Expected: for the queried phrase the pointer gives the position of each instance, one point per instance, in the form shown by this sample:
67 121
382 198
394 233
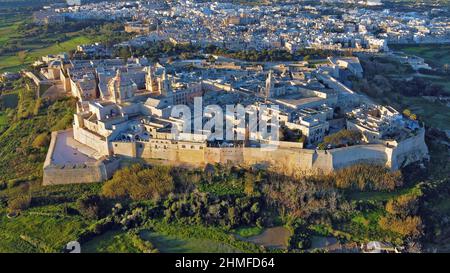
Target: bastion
69 161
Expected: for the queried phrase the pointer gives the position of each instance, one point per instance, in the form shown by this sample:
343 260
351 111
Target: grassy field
214 237
248 231
45 227
434 114
3 121
115 241
50 43
41 229
20 158
435 55
13 62
118 241
26 3
8 28
173 244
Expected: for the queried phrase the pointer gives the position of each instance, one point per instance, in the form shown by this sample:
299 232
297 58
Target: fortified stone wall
71 174
87 172
80 173
286 159
410 150
90 139
371 153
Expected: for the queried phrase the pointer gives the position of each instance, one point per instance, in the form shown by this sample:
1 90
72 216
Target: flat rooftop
296 100
69 151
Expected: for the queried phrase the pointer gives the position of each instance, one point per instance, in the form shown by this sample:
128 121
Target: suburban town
225 126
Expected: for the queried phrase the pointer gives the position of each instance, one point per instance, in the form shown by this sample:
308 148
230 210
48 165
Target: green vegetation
391 83
9 5
173 244
434 114
367 178
434 54
187 220
287 134
40 229
186 217
119 242
199 232
22 159
222 188
3 121
23 42
14 62
273 54
340 139
9 100
8 27
138 183
249 231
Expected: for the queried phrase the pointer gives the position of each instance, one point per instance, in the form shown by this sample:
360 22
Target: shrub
300 238
341 138
41 140
15 182
403 205
19 198
89 205
19 203
3 185
367 177
139 183
409 226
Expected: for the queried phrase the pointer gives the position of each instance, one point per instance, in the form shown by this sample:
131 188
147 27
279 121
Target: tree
410 226
341 138
367 177
403 205
37 106
407 112
249 184
139 183
19 203
41 140
89 206
124 53
20 199
232 216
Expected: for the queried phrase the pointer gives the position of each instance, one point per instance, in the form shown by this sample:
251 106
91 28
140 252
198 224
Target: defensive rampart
285 158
